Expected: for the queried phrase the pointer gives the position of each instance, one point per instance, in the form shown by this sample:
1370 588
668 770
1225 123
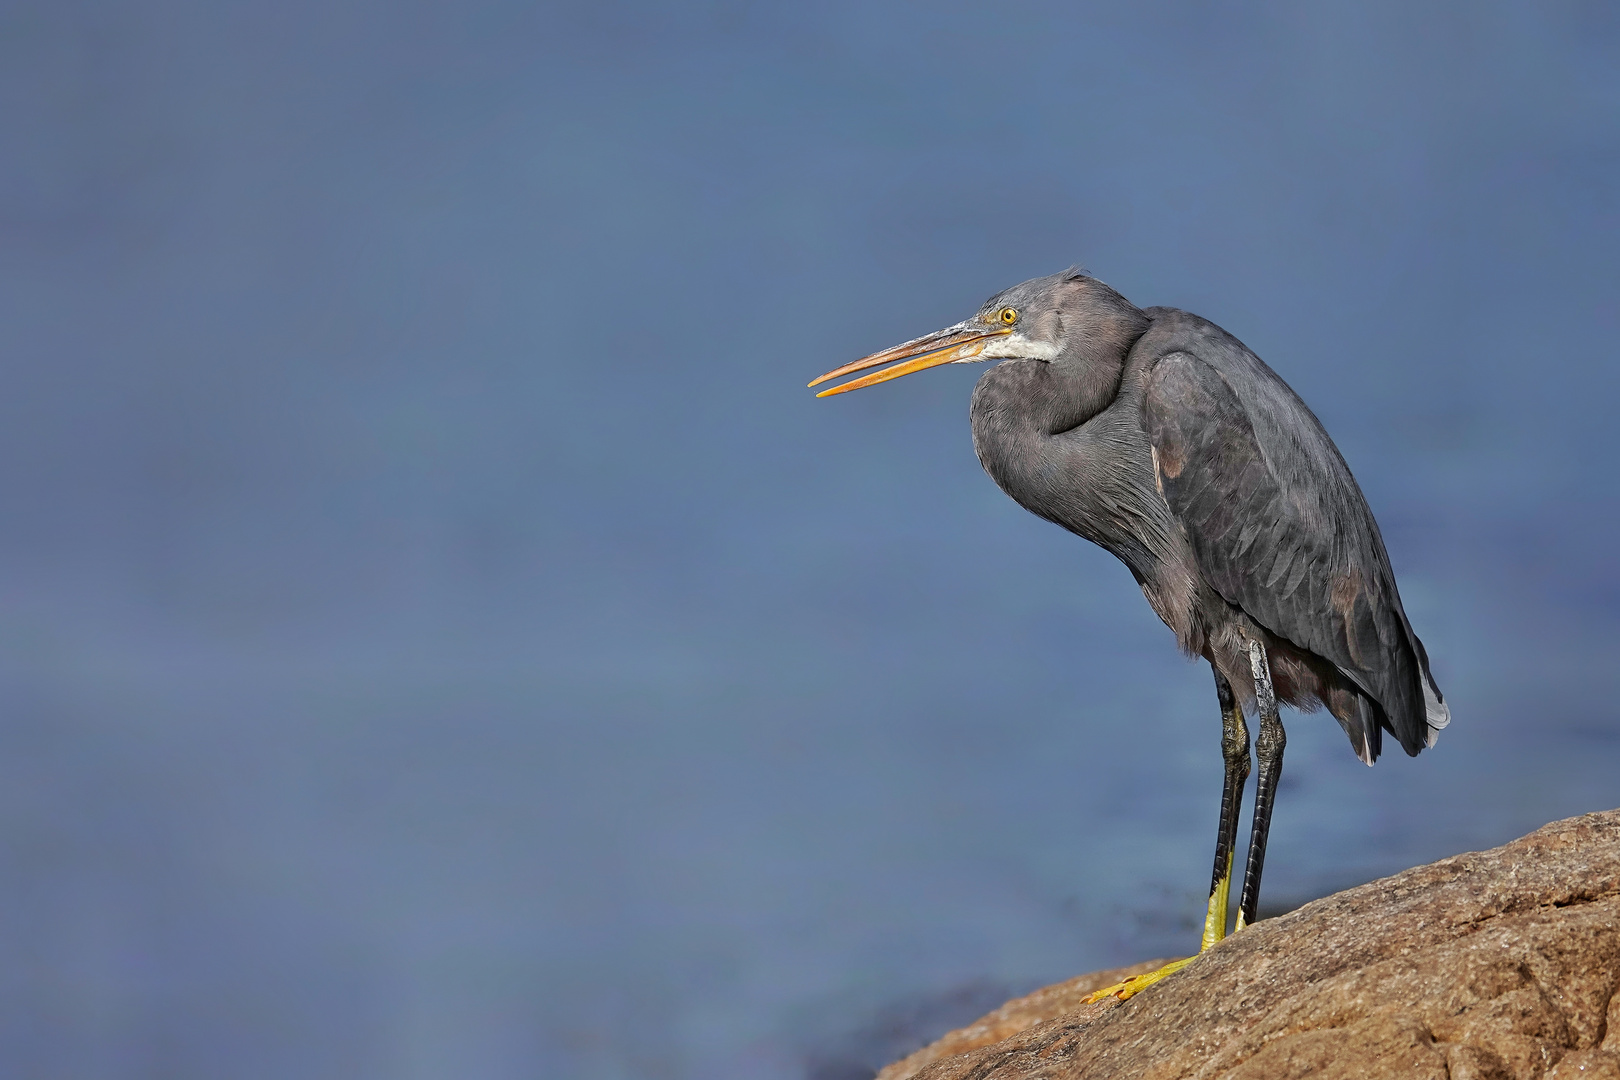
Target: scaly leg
1268 752
1235 749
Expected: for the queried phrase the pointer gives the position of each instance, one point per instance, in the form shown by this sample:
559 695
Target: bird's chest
1092 480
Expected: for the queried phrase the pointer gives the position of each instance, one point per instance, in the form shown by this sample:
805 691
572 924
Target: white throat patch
1014 346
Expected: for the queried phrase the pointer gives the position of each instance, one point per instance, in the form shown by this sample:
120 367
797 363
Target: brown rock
1589 1064
1487 966
1056 1000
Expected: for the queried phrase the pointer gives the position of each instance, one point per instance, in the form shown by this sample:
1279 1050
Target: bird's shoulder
1175 331
1238 438
1181 353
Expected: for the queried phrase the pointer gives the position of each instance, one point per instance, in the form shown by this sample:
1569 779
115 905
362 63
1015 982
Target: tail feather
1435 713
1370 730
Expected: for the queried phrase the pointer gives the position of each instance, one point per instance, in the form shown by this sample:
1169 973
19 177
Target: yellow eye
1008 316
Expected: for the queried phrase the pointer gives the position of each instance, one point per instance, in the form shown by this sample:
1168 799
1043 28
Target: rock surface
1487 966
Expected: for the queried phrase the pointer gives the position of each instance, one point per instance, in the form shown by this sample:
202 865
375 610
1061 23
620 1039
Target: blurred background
440 636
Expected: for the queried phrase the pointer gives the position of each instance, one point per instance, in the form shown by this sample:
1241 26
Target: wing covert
1278 525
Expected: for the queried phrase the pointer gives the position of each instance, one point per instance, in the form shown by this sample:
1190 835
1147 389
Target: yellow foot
1137 983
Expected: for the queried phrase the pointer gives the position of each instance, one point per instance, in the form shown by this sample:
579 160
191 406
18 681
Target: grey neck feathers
1046 434
1059 395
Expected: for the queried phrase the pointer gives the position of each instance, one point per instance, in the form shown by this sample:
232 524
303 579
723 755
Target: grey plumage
1159 436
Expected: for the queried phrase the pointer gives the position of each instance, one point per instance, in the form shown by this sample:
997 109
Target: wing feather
1277 523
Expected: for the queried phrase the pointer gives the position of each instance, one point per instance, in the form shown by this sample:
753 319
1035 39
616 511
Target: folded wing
1281 530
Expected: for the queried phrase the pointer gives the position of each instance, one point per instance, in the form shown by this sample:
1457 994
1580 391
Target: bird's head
1041 319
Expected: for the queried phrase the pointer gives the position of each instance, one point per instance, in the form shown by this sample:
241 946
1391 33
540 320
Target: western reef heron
1157 435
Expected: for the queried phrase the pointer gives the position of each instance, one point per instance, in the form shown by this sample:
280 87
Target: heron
1160 437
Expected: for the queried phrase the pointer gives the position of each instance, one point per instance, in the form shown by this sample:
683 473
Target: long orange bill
964 341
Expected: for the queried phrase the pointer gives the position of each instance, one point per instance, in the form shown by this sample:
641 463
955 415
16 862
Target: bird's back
1278 525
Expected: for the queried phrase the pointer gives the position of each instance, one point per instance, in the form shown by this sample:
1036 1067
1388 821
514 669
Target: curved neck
1049 436
1051 397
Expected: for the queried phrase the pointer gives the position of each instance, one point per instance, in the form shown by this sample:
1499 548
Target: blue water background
441 637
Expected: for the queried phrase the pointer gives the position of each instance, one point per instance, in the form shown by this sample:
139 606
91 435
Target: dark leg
1268 752
1235 749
